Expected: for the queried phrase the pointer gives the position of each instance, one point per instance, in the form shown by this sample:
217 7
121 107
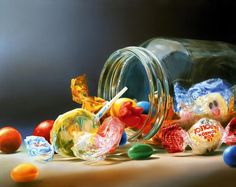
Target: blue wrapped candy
39 148
212 98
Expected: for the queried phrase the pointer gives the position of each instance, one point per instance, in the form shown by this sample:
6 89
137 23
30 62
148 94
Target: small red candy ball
10 139
43 129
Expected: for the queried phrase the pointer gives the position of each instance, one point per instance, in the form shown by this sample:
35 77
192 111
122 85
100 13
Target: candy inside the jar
132 115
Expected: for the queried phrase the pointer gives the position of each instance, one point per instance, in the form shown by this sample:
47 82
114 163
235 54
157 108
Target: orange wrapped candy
80 95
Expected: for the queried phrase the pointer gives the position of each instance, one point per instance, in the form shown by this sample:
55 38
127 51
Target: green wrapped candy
140 151
67 125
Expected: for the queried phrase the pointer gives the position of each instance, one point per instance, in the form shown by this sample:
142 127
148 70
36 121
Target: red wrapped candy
174 138
230 133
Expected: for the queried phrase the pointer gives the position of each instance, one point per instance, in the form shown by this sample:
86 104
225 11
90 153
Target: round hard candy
10 139
205 136
229 156
140 151
145 105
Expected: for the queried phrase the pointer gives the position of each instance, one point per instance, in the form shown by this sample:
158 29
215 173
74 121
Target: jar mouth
140 71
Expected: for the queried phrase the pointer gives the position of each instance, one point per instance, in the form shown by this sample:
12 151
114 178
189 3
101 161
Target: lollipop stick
106 107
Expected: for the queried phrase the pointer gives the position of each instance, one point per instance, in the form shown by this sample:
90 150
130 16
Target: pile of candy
99 127
94 130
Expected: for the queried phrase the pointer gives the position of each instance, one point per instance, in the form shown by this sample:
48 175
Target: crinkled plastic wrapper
212 98
95 146
206 135
80 95
67 126
39 148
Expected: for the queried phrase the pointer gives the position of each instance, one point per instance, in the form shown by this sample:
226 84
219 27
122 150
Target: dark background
44 43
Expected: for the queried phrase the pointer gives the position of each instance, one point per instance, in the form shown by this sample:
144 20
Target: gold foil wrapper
80 95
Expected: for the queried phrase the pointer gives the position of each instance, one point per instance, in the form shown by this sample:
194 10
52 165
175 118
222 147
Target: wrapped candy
80 95
230 133
68 125
39 148
91 146
78 132
174 139
212 98
204 136
132 115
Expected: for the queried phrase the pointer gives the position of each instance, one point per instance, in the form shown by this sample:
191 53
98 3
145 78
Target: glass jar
151 69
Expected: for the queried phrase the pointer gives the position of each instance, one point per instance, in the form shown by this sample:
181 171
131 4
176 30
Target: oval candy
123 139
229 156
25 172
140 151
145 105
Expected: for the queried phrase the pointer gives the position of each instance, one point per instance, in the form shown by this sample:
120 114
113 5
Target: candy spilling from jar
78 133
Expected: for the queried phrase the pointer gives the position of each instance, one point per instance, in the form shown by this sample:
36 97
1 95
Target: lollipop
78 126
68 125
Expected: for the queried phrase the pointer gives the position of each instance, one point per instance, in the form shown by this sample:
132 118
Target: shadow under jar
151 69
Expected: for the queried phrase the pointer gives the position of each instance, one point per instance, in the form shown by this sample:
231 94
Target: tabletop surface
162 169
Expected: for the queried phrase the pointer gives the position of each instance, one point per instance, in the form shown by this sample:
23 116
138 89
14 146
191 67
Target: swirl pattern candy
67 126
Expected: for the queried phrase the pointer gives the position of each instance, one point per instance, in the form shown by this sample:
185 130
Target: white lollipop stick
106 107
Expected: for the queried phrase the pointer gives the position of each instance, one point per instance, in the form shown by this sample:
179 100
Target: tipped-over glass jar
151 70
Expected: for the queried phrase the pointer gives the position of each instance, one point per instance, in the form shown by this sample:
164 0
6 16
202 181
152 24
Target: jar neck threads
143 74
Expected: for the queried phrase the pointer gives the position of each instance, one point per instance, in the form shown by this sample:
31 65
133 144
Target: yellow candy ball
25 172
114 111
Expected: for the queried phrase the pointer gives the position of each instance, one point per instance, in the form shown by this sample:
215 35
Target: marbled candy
140 151
67 126
39 148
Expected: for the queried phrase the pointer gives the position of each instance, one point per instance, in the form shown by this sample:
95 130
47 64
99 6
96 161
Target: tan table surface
162 169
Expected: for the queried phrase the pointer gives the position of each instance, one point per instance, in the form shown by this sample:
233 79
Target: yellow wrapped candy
114 111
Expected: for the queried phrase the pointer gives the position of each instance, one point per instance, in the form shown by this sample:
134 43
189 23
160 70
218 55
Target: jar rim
157 80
